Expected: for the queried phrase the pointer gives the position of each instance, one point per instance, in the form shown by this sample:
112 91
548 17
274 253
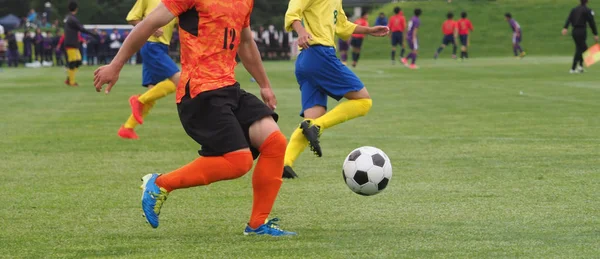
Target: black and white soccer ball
367 170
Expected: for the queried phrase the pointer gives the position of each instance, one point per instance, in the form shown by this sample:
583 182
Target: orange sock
266 179
207 170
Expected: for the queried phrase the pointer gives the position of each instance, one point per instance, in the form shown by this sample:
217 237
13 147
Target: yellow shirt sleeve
344 28
137 11
295 12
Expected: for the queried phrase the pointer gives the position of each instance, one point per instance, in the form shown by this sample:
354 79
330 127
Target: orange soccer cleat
137 109
127 133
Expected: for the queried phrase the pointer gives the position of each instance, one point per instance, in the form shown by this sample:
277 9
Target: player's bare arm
303 36
378 31
250 56
109 74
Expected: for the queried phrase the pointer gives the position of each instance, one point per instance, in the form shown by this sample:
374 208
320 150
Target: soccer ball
367 171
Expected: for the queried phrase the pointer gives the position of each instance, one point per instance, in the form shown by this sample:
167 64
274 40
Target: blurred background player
517 36
397 26
343 46
230 124
464 28
321 74
72 29
381 20
450 31
159 72
357 38
579 18
413 42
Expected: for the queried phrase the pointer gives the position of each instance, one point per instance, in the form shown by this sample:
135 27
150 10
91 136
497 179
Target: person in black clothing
579 18
13 50
38 42
92 50
72 29
27 47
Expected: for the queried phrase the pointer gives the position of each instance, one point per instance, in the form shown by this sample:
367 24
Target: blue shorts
464 39
156 63
397 38
448 39
320 74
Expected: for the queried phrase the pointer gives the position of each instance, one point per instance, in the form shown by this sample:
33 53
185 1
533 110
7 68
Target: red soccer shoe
127 133
137 108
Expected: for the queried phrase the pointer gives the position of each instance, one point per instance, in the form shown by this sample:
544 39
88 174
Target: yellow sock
71 73
344 111
131 123
160 90
295 146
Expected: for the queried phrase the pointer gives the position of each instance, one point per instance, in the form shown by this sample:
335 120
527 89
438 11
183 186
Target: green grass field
492 157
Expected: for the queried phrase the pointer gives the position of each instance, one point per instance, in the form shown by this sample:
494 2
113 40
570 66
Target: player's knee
274 145
366 105
241 162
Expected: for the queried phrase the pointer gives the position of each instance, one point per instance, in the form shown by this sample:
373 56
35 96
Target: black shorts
448 39
397 38
464 39
356 42
219 120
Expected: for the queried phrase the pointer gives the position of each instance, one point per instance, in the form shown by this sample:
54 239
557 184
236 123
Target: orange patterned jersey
209 36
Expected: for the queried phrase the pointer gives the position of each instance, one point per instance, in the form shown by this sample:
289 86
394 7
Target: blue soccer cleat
270 228
153 198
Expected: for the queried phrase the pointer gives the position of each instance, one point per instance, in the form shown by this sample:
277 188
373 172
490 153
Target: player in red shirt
397 26
464 28
231 125
450 30
357 39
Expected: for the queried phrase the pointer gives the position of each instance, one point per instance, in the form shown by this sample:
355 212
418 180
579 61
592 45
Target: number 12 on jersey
229 38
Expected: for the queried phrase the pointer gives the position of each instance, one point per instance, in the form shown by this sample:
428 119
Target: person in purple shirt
517 35
411 38
27 47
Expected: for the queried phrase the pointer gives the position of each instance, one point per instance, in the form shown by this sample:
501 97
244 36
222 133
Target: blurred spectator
92 49
55 24
59 50
260 42
38 44
286 44
32 16
27 46
115 43
47 10
271 40
13 49
2 51
47 45
45 24
381 20
1 30
103 48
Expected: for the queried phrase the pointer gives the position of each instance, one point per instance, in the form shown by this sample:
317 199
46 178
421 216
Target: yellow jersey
141 9
323 19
